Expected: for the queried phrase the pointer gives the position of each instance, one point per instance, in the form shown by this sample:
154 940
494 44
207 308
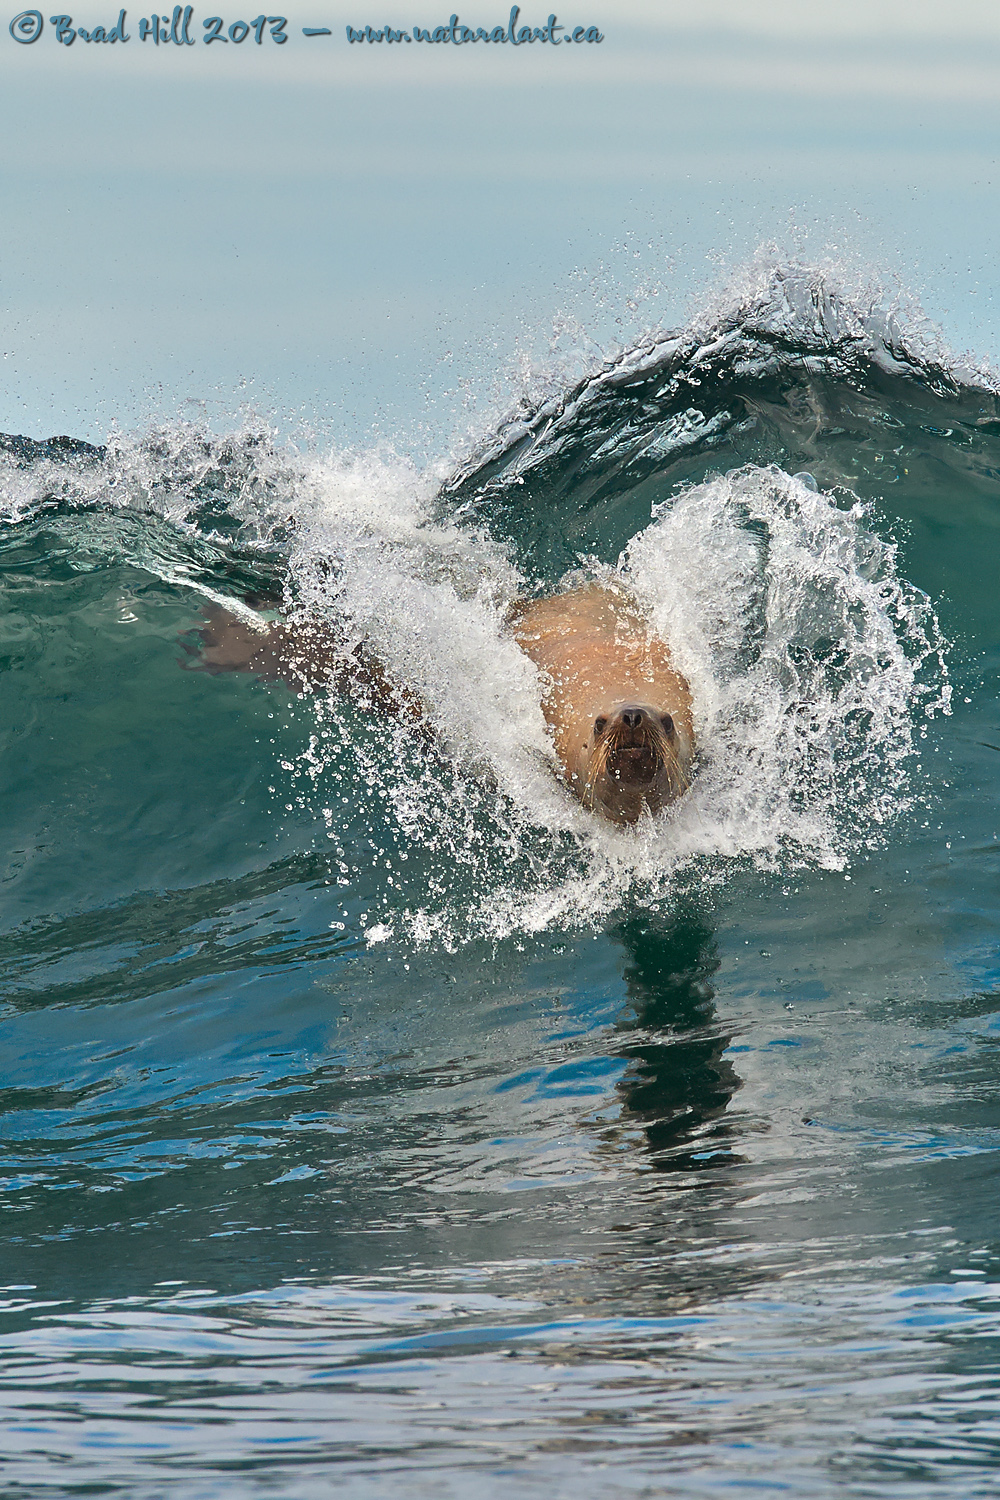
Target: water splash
814 665
810 660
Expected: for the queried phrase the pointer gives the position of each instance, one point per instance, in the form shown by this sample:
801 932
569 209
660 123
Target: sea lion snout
630 725
635 763
632 739
633 726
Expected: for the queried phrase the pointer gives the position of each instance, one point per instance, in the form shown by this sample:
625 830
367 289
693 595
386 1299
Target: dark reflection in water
679 1084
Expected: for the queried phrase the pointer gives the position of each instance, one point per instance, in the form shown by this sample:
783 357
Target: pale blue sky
358 238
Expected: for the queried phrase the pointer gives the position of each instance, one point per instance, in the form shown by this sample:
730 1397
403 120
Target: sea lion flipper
304 654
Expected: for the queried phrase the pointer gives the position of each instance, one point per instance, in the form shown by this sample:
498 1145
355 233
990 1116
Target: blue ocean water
371 1115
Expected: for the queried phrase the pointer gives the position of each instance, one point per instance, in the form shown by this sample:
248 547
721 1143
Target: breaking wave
730 473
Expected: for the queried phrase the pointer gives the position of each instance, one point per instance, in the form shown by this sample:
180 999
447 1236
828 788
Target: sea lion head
637 760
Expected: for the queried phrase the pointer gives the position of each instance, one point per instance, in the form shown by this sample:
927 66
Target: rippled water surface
373 1117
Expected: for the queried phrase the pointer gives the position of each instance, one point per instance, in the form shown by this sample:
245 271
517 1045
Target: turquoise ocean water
372 1118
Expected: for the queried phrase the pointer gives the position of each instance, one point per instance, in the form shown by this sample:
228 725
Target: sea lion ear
599 726
668 726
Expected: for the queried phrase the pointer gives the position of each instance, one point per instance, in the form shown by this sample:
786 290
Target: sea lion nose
632 717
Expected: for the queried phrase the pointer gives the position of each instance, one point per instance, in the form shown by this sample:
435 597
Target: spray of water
812 664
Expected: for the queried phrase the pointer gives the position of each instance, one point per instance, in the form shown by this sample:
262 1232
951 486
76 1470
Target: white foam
811 661
806 653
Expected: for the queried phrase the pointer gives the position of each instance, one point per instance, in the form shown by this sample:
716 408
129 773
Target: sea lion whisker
667 752
598 766
673 764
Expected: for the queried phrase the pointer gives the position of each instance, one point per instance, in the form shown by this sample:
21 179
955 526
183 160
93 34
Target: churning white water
812 665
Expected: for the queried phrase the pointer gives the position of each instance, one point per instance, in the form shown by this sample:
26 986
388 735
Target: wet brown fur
598 660
305 655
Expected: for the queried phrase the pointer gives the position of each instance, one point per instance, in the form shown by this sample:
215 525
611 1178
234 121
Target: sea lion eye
599 726
668 726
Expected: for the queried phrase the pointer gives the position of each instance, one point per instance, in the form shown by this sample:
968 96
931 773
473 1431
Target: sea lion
618 710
